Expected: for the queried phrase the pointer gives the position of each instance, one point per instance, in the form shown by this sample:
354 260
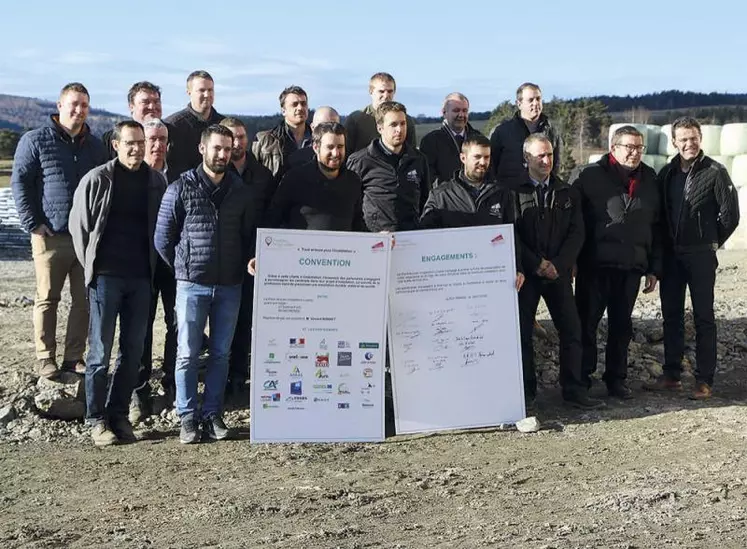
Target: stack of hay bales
726 144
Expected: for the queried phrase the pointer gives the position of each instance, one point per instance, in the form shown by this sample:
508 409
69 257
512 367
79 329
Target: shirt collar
536 183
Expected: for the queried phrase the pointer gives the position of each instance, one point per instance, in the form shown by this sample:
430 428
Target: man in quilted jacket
48 165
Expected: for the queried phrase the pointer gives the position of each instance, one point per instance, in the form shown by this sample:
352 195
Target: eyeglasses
633 148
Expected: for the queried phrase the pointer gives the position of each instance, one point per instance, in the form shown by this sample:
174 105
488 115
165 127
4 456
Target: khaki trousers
54 261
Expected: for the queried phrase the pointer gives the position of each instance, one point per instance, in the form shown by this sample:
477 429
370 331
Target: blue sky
482 48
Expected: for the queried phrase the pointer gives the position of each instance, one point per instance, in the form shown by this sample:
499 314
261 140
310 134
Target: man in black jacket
621 209
508 138
259 179
186 126
273 147
701 209
393 173
322 194
443 147
206 232
361 126
300 157
144 102
551 229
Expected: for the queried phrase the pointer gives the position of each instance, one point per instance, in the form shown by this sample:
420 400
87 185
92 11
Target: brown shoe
663 384
702 391
75 366
47 368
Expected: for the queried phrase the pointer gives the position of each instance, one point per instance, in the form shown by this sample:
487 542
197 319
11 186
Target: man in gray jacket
112 235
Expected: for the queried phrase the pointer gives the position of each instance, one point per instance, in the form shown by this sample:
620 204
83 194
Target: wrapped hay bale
595 158
738 170
643 128
738 240
653 134
665 141
656 161
733 139
711 142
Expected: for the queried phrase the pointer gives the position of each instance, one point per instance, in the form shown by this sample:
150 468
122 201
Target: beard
216 167
327 169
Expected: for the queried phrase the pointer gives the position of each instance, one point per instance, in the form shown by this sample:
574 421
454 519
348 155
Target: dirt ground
658 471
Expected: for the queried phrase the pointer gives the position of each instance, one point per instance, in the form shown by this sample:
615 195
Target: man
260 181
321 195
186 126
48 165
471 198
322 115
273 147
443 147
620 204
156 143
361 126
393 173
551 229
144 102
701 209
206 231
112 223
508 138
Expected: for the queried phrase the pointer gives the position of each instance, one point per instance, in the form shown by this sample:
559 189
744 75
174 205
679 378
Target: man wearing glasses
620 205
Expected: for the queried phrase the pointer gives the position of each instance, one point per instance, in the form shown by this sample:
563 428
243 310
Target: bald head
324 114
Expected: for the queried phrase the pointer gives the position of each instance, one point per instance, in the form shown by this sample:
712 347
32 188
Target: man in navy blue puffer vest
48 165
206 232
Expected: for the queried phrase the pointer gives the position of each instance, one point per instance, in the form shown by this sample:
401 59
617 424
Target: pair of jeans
165 285
110 298
558 295
696 270
615 290
55 261
196 305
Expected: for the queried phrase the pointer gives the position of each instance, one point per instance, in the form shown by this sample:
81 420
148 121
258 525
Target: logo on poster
296 372
369 355
343 405
367 372
497 240
270 385
342 389
323 344
267 405
297 342
343 345
296 356
379 246
345 358
322 387
321 374
321 399
366 389
367 345
270 373
296 387
367 404
271 359
322 360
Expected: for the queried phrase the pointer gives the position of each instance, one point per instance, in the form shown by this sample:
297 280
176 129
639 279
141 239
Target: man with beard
307 154
321 195
273 147
393 173
144 102
112 222
361 126
186 126
507 140
206 232
443 147
620 203
260 181
701 209
48 165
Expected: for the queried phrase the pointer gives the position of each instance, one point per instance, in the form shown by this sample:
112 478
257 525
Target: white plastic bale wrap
733 139
738 240
652 134
711 142
643 128
665 141
738 171
655 161
595 158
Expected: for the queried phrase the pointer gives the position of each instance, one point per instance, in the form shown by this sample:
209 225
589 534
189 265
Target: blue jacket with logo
47 167
206 233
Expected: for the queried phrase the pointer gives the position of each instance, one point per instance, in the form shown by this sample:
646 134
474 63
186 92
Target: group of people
170 207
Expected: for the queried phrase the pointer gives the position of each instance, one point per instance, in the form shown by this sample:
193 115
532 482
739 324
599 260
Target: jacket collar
54 123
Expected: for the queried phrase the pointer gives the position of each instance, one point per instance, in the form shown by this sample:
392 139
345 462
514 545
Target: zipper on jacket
700 226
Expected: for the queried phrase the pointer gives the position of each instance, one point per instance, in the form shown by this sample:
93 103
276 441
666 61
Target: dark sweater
306 199
124 247
676 196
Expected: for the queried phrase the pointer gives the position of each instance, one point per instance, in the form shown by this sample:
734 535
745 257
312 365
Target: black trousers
558 295
238 363
696 271
164 285
616 290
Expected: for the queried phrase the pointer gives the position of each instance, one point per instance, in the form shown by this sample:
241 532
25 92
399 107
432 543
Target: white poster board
454 329
318 342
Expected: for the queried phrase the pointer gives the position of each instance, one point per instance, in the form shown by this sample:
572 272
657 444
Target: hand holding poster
454 329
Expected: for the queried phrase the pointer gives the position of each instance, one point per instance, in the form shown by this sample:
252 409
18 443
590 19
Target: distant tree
502 112
8 143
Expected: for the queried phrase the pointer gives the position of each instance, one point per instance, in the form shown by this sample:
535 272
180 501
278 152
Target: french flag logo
378 246
498 240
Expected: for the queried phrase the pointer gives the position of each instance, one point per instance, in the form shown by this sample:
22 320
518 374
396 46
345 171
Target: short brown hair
524 86
119 126
384 77
298 90
686 123
624 130
232 122
199 74
74 87
142 86
537 137
327 127
475 139
214 129
387 107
